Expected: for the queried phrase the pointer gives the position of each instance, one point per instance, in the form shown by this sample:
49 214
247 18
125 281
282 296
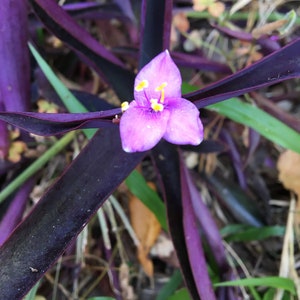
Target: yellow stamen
161 88
124 106
156 106
143 84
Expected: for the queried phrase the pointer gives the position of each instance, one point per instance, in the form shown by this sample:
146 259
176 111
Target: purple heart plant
160 126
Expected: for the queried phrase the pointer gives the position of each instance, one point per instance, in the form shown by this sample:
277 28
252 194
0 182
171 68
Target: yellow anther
140 86
161 87
124 106
156 106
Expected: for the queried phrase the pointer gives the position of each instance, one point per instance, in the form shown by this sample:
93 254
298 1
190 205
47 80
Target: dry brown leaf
288 166
216 9
268 28
181 22
289 170
147 229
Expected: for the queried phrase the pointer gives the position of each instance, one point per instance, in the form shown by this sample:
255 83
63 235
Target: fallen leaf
181 22
147 229
268 28
288 166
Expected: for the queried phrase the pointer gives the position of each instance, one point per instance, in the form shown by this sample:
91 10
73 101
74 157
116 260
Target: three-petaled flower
158 110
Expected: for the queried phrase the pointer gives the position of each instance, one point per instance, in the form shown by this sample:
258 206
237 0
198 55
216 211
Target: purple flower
158 110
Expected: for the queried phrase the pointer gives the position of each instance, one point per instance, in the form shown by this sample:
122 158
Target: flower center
156 106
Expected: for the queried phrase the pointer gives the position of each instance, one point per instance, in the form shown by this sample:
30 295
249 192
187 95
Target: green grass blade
138 186
32 293
181 294
36 165
259 120
275 282
170 287
247 233
70 101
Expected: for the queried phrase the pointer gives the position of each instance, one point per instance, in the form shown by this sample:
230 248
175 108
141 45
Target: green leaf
262 122
269 294
182 294
101 298
275 282
138 186
170 287
32 293
246 234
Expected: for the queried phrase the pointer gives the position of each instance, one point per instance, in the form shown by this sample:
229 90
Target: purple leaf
126 7
235 200
204 218
167 161
63 212
92 10
103 61
14 58
197 62
155 31
207 146
274 110
235 157
14 214
14 62
53 124
193 239
268 44
276 67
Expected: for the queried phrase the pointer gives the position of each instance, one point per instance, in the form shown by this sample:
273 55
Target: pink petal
184 125
142 129
159 70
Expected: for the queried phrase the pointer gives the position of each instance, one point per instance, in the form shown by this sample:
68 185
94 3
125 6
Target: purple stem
15 212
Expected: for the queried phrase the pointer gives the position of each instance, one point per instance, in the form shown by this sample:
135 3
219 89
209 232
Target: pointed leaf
155 30
276 67
262 122
63 211
65 28
167 161
192 238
